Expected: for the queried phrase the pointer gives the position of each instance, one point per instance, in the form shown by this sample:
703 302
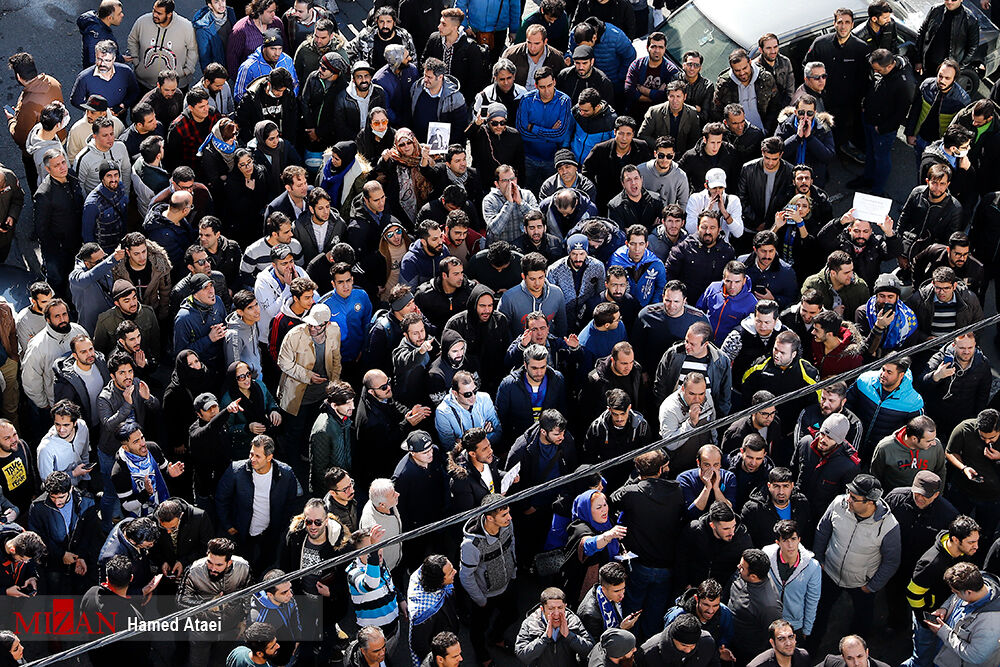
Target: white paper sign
509 476
438 137
871 208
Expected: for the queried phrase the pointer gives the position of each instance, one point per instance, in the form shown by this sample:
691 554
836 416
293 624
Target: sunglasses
314 522
818 76
466 394
382 387
380 123
405 142
389 235
200 262
243 376
665 156
497 123
805 113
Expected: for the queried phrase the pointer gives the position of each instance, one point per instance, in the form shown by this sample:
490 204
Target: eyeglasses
245 164
693 65
664 156
767 413
243 376
200 262
805 113
314 522
818 76
350 485
466 394
497 123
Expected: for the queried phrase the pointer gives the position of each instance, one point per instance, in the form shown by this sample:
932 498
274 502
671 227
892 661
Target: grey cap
617 642
836 426
204 401
496 110
887 282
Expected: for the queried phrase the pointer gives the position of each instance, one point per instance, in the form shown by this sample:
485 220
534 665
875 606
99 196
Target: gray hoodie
36 147
488 565
673 186
88 164
241 342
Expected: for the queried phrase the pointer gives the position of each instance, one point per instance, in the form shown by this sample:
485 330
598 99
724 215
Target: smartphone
759 289
9 109
483 110
792 208
948 359
30 591
978 479
928 616
90 466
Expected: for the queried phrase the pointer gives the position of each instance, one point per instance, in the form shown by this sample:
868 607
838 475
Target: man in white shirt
66 447
30 320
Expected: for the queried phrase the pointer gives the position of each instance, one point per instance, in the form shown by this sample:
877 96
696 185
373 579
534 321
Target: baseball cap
318 315
199 281
362 65
583 52
204 401
418 441
716 178
96 103
866 486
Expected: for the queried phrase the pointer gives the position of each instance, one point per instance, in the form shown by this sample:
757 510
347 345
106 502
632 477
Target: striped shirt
372 593
945 316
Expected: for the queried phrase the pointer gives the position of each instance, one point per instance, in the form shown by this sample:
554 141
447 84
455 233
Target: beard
363 86
626 662
61 328
385 33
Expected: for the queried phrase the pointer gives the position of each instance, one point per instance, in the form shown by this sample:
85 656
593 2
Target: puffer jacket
191 327
821 477
37 376
646 278
922 303
858 552
173 238
882 415
592 130
488 565
964 38
613 52
845 357
725 312
559 225
318 97
490 15
198 585
296 359
779 278
241 342
800 594
347 118
927 95
727 92
720 626
330 444
816 150
104 217
759 516
972 641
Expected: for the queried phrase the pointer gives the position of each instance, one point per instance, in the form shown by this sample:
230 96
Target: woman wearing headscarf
796 230
218 155
377 136
343 175
273 152
248 192
398 171
190 378
592 542
258 413
382 266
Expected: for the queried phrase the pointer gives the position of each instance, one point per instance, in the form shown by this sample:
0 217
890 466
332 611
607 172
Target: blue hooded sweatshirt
206 32
255 67
646 278
613 53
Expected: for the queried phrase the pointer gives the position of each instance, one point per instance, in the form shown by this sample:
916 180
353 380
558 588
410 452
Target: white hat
715 178
317 315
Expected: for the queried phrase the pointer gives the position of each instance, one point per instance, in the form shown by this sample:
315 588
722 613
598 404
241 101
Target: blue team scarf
904 324
609 612
140 467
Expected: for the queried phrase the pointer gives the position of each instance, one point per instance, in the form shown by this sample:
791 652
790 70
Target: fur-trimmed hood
821 117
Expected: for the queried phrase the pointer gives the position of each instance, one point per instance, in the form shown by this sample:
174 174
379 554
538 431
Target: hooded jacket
705 555
517 302
971 641
755 605
105 213
241 342
880 413
744 346
249 110
845 357
37 372
488 566
816 150
434 303
646 277
922 303
191 326
929 96
604 440
821 477
660 651
858 552
482 338
513 402
651 508
157 292
588 131
696 162
725 312
94 30
759 516
417 266
895 464
36 94
766 93
347 117
36 147
613 51
451 420
206 34
450 105
800 593
868 259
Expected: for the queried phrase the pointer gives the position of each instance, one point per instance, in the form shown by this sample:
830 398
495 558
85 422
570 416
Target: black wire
579 473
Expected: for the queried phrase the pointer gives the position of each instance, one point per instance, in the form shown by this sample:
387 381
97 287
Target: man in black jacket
699 258
58 212
930 214
714 544
711 151
765 185
760 512
184 538
383 422
943 306
845 57
957 255
858 238
883 113
650 507
960 40
605 162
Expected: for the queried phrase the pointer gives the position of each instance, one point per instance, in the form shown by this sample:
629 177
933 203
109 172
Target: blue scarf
423 604
800 154
220 145
333 181
581 512
140 467
609 612
904 324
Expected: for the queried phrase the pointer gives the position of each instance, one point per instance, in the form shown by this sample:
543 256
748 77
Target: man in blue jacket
258 532
95 26
884 401
728 301
269 56
351 308
200 323
646 275
613 50
545 122
770 276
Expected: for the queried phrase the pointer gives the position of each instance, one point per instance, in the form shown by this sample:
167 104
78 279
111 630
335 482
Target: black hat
95 103
866 486
272 37
418 441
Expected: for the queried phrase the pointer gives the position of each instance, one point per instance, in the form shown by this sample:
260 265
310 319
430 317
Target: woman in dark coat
258 413
398 170
248 192
218 155
190 378
377 137
273 152
592 542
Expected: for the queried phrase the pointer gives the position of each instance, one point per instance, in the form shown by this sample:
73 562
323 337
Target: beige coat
296 359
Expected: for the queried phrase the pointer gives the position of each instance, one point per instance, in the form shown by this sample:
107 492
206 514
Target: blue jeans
878 158
648 589
918 149
109 501
535 173
925 644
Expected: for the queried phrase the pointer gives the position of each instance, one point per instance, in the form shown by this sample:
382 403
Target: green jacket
330 443
852 295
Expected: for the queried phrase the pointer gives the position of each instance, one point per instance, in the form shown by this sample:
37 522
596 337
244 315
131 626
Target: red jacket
844 357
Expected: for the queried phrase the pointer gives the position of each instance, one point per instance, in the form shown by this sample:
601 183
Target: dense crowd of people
304 293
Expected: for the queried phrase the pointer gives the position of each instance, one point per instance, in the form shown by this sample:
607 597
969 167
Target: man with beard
80 377
113 81
700 257
660 325
217 574
267 58
770 276
128 339
579 276
763 422
352 103
826 463
616 291
858 239
956 255
799 317
381 419
126 307
884 320
484 330
138 472
163 39
18 473
537 238
783 651
49 344
832 401
165 100
370 44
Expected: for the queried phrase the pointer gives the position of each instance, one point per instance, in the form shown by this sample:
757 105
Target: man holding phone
973 449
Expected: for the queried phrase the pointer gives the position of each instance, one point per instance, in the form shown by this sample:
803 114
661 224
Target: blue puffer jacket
210 46
491 15
397 91
255 67
175 239
881 415
953 101
726 312
613 53
592 130
646 278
